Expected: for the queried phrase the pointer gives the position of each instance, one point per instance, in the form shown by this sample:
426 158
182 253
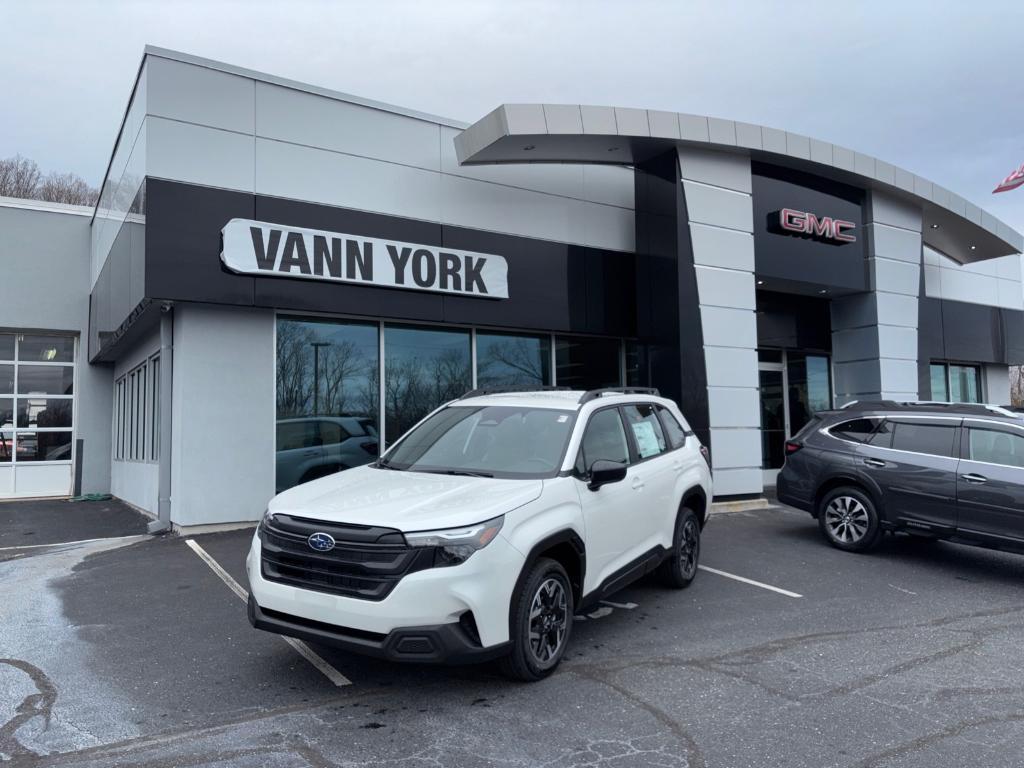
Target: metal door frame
768 476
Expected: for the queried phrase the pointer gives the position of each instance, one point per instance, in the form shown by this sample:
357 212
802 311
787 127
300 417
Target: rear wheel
848 519
680 567
541 622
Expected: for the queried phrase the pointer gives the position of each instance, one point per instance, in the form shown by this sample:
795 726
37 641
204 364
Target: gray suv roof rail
931 405
593 394
508 390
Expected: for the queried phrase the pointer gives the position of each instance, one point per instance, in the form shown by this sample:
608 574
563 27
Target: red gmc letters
821 228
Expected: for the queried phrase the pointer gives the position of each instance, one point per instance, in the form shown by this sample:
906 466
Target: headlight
455 545
268 519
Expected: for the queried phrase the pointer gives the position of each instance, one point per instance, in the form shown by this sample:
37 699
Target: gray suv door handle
972 477
874 462
637 484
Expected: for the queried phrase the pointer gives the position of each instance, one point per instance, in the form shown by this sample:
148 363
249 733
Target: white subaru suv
486 528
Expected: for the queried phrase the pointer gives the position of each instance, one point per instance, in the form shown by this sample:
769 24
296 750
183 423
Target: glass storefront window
6 412
43 412
45 379
588 363
327 397
6 346
6 379
6 447
810 388
965 384
940 390
424 368
43 446
504 360
955 383
637 374
46 349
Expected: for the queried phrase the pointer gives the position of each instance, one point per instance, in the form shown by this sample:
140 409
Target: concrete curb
745 505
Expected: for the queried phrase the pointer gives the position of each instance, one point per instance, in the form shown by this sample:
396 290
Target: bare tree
66 188
1017 386
19 177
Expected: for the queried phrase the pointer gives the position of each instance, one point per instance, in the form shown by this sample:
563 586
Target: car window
296 434
332 433
931 439
647 431
673 429
605 439
858 430
994 447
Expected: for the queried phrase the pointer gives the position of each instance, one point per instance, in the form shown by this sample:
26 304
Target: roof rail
593 394
867 405
508 390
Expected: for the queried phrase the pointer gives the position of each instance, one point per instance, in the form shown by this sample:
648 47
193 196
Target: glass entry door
794 386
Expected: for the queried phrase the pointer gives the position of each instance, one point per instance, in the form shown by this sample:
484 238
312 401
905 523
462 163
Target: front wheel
680 567
541 622
848 520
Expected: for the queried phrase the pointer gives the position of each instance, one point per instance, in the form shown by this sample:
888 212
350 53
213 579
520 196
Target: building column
719 217
874 334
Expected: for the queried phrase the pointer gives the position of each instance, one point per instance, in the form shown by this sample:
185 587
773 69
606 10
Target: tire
546 588
679 569
848 519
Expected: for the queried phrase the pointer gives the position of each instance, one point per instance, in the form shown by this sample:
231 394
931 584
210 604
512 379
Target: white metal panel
199 155
333 178
304 118
199 95
42 480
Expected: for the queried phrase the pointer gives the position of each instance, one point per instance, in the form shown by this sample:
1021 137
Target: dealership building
279 279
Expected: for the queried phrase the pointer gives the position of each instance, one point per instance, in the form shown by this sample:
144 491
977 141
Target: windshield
489 441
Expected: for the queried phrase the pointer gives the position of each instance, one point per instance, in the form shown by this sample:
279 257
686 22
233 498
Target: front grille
366 562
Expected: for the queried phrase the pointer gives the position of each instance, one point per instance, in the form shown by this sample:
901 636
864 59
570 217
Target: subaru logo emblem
321 542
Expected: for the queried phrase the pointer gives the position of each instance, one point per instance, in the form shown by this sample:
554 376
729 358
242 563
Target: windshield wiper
384 464
460 472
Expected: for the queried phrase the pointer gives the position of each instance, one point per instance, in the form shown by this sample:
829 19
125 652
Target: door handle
874 462
637 484
677 466
972 477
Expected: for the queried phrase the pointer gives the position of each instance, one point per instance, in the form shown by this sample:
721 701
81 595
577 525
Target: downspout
163 521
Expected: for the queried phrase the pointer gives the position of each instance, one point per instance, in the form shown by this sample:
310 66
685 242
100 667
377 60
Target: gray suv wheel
848 519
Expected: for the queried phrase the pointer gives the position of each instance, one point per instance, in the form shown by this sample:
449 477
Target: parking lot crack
38 704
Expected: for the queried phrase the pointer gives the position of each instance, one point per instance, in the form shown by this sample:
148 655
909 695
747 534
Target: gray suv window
931 439
995 447
858 430
605 439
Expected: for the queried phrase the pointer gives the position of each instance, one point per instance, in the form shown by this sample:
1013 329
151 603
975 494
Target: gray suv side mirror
603 472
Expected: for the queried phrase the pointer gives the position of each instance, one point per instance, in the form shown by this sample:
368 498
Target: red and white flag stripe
1014 180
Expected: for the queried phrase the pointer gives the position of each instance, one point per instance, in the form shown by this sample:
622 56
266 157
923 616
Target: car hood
407 501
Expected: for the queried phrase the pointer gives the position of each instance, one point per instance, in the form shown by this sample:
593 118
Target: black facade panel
930 341
793 322
668 309
789 257
1013 333
553 286
972 333
183 224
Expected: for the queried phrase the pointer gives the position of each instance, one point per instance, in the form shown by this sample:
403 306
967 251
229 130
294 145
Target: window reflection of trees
414 386
511 361
347 375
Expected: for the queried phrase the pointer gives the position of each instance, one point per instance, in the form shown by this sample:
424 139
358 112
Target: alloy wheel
549 617
847 519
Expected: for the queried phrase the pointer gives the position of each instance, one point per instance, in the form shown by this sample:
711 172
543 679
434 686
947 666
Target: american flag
1014 180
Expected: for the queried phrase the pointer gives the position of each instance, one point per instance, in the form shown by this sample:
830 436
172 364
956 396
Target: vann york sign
258 248
802 224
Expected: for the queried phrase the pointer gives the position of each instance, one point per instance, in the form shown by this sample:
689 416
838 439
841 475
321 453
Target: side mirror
603 472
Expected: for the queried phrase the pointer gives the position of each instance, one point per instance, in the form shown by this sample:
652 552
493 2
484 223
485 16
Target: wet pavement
135 653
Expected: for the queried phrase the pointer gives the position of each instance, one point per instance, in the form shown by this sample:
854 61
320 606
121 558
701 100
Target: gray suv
938 470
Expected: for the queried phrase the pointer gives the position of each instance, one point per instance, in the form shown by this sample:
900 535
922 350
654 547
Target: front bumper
427 604
442 643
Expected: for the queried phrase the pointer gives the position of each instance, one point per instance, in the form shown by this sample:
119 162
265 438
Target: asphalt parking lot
136 653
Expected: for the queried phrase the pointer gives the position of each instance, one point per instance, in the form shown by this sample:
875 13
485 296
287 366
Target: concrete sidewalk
57 521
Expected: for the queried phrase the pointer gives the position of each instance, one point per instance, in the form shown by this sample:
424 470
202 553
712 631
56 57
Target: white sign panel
258 248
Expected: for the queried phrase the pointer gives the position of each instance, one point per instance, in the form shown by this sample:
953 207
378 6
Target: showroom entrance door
794 385
37 378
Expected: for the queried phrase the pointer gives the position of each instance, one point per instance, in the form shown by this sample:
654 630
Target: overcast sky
933 86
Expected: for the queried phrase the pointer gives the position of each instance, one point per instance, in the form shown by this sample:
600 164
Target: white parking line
303 650
753 583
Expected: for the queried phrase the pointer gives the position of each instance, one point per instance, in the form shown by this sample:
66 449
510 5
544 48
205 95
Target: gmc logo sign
802 224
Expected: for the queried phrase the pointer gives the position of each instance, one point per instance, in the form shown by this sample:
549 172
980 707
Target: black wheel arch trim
565 536
837 481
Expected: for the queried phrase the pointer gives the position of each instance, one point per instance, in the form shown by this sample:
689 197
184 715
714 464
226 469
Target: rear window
931 439
857 430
